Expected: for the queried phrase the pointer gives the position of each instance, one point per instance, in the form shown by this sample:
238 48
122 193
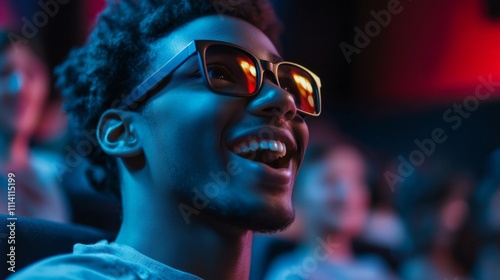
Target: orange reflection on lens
250 71
306 91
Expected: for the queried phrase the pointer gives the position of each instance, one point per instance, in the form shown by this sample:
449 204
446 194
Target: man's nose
274 102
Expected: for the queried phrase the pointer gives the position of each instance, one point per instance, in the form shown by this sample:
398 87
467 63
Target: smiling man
201 131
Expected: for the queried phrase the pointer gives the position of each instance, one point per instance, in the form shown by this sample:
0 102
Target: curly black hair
115 57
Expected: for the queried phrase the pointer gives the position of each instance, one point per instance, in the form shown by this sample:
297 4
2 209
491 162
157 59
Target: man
204 151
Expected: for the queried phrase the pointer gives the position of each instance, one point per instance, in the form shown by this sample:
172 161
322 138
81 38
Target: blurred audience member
435 204
25 84
332 198
487 221
384 231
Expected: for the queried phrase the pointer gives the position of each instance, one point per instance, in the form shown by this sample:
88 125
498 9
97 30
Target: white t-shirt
102 260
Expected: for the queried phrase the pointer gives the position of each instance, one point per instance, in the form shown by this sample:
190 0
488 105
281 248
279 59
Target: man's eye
219 72
287 85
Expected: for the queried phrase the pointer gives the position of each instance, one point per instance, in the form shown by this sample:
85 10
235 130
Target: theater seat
36 239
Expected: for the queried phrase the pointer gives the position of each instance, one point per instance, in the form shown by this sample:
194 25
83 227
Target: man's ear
117 133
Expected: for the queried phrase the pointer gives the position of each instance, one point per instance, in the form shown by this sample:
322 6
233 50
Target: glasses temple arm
165 70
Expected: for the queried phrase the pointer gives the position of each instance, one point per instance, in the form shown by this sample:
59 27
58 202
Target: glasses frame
199 47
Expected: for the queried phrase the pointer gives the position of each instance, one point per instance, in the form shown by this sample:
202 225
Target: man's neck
205 249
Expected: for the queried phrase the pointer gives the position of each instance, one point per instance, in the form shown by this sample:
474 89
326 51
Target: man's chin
242 213
262 221
266 225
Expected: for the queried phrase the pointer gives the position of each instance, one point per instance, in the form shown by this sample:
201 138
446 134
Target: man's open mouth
273 153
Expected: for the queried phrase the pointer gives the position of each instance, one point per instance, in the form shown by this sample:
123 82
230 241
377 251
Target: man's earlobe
117 134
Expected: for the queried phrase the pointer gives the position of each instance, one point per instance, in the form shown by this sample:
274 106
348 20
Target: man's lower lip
267 174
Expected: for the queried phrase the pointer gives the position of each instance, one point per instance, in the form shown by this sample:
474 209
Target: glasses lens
301 85
230 70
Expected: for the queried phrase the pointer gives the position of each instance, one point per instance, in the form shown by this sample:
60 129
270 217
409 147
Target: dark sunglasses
231 70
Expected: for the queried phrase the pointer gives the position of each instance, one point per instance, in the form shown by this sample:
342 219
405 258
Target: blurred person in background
332 200
384 231
435 205
26 116
486 213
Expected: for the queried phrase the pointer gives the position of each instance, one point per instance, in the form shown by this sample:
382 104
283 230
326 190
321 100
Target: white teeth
273 146
237 150
245 149
254 145
277 147
281 147
265 145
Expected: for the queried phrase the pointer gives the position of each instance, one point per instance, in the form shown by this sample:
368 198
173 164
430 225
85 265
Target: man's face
194 137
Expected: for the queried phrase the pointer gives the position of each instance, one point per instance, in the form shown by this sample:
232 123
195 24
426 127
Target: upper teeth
254 145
